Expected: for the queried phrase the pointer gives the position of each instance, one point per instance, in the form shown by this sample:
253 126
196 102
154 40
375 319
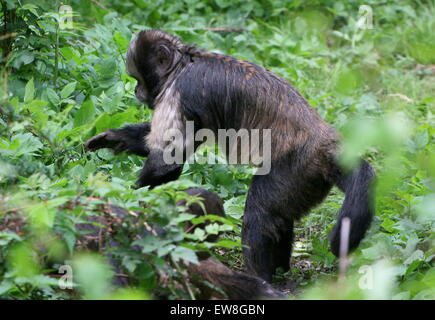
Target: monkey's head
152 56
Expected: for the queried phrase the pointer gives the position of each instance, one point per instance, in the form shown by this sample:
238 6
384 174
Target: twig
102 6
8 35
401 96
185 282
42 135
344 247
122 275
222 29
56 56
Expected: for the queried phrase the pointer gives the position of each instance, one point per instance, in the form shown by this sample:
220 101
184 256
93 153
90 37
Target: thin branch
98 4
222 29
56 56
344 247
8 35
185 282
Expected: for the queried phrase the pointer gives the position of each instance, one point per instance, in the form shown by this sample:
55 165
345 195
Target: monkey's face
149 60
140 91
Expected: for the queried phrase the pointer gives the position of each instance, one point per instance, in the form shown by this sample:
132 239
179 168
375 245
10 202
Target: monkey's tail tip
358 206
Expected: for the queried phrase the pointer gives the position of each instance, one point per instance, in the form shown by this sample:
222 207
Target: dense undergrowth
61 86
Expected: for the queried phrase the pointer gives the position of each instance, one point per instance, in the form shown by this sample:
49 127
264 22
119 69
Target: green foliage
61 86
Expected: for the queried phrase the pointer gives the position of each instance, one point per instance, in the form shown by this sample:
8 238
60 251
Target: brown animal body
182 83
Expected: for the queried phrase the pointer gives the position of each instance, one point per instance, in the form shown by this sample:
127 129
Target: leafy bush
61 86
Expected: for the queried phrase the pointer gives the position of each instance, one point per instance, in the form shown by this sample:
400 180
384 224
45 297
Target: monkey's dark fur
129 139
216 91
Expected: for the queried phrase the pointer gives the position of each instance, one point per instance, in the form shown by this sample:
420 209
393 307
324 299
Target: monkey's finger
96 142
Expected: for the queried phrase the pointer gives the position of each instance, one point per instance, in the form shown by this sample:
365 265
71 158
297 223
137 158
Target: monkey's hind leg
274 202
267 241
267 231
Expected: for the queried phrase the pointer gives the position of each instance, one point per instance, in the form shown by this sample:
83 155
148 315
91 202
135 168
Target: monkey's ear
164 55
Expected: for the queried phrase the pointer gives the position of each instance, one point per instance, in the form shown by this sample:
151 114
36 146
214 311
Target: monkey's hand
108 139
129 139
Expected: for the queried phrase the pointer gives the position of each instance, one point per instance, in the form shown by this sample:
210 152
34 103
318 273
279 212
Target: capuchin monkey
182 83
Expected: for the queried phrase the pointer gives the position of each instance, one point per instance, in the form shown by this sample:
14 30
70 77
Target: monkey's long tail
358 205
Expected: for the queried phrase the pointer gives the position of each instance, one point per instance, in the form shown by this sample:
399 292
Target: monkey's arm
130 139
168 143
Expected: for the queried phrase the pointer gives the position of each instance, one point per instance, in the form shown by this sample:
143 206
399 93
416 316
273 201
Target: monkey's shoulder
239 68
218 59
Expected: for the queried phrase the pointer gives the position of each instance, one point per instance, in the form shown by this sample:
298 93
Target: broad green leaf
185 254
121 41
93 274
69 133
107 72
105 121
68 89
28 144
23 58
21 259
41 215
85 114
40 115
6 237
52 96
29 93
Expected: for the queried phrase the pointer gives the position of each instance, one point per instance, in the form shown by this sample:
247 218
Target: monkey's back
222 92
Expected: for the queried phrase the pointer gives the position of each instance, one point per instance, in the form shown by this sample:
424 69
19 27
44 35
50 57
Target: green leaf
70 240
183 217
105 121
149 243
129 263
22 58
69 133
388 225
212 228
164 250
421 139
85 114
234 207
121 41
68 90
5 286
39 114
52 96
225 243
185 254
28 144
415 256
40 215
93 274
29 91
6 237
106 72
